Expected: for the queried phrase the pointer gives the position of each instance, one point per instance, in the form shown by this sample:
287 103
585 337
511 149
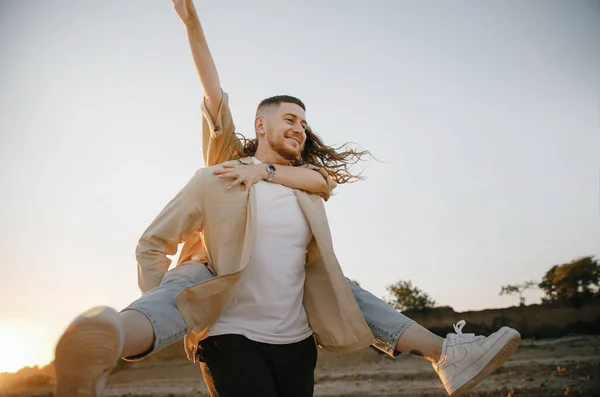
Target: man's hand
185 10
242 173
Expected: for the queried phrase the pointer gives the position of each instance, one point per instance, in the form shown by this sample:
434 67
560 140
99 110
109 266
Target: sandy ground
560 367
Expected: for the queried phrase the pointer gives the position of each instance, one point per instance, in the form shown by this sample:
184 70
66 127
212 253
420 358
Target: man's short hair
278 100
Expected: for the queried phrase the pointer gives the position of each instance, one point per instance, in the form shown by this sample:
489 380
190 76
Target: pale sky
485 116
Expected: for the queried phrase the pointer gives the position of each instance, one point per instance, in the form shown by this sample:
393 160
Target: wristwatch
271 170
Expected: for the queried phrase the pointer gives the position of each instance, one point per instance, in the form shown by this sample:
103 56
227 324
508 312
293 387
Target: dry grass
548 368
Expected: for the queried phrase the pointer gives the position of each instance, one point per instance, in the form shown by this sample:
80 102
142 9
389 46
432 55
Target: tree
517 289
572 282
403 296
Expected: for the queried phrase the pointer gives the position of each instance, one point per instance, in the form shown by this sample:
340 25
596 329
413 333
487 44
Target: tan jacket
226 219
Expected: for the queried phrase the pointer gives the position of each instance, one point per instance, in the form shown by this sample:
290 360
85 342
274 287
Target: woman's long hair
336 161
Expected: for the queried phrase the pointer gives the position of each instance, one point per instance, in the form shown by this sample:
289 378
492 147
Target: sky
484 117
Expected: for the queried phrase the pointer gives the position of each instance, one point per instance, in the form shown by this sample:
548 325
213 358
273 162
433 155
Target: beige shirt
225 218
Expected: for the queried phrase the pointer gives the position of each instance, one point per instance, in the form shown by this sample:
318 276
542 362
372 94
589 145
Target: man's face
284 129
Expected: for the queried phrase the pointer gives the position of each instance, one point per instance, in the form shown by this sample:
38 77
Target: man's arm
175 224
203 60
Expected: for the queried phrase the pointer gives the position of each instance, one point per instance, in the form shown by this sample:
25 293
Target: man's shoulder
241 161
209 169
207 173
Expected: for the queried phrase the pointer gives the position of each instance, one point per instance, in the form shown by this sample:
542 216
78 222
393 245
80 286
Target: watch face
271 168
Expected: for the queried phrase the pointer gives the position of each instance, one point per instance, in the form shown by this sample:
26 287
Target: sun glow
21 346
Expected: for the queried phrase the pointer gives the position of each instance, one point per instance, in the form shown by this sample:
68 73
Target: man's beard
279 147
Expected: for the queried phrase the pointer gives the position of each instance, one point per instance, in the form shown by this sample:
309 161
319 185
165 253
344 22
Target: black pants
235 366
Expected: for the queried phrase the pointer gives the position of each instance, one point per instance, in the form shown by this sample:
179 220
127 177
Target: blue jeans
159 306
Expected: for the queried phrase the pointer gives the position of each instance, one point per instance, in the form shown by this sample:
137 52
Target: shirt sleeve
331 184
219 142
176 223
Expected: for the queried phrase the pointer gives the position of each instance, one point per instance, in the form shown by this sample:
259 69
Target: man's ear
259 127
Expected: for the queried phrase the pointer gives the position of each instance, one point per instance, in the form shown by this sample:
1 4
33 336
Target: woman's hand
185 10
242 173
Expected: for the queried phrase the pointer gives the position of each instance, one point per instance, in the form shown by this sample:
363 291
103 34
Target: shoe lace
459 336
459 326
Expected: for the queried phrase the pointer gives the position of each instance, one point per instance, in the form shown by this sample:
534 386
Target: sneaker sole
87 352
494 358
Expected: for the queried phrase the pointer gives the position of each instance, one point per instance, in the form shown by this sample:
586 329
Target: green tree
403 296
517 289
572 282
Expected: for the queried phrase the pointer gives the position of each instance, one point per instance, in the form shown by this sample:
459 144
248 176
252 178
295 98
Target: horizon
41 367
440 307
485 118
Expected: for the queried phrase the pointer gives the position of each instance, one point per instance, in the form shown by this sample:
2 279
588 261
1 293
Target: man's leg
93 343
461 361
234 366
293 367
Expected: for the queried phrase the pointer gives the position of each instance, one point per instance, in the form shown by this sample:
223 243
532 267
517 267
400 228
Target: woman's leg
462 361
93 343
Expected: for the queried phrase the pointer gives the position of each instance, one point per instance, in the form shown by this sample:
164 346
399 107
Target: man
154 321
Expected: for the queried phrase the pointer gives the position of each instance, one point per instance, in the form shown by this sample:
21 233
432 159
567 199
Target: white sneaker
87 352
467 359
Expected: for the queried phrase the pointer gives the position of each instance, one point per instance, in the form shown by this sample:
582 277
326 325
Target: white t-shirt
267 306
